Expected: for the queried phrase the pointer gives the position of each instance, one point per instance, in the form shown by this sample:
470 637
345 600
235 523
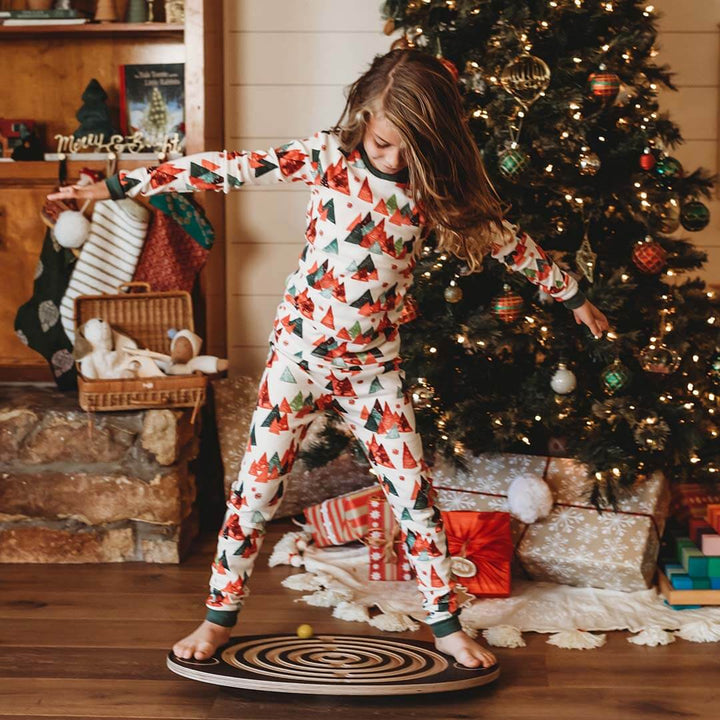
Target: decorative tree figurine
94 115
136 11
105 11
155 124
562 98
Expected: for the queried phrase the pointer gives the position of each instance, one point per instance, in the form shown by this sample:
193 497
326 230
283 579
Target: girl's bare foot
202 642
465 650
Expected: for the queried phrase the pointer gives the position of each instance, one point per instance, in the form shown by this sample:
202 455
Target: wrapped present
713 516
481 548
575 544
691 500
484 486
341 519
388 555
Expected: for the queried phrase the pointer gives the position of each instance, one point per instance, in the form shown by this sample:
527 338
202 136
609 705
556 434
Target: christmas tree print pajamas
335 344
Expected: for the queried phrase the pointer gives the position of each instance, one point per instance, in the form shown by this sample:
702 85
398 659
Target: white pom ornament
563 381
529 498
71 229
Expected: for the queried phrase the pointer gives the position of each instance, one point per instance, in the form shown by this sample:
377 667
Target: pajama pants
378 409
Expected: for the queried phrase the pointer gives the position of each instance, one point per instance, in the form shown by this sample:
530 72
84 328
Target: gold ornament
422 393
585 259
453 293
389 27
525 78
588 162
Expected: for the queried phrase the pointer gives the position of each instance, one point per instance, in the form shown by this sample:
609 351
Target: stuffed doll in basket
104 353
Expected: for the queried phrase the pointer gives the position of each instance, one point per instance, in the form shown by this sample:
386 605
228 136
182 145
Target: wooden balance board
333 664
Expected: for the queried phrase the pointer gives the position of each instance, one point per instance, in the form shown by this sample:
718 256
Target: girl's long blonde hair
417 94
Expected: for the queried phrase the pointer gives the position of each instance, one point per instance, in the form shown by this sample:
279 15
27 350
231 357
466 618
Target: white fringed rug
337 578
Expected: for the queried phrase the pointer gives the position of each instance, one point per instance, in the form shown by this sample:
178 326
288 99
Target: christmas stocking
109 256
37 322
178 242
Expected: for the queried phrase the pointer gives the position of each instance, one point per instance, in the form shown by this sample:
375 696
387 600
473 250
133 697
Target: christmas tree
155 122
562 98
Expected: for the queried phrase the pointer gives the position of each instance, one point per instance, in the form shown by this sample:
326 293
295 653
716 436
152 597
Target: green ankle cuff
226 618
446 627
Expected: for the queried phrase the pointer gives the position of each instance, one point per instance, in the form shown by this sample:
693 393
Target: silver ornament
563 381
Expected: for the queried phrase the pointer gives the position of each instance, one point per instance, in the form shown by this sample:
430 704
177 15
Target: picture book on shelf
152 102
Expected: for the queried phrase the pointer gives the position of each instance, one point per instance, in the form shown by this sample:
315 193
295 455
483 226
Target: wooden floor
89 641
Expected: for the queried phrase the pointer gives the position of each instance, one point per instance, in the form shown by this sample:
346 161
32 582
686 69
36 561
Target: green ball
615 377
694 216
668 167
511 163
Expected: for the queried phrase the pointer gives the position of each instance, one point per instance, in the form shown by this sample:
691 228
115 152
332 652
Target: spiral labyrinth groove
341 664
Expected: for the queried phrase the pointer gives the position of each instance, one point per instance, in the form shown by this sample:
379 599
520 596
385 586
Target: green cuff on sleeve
226 618
446 627
574 302
115 187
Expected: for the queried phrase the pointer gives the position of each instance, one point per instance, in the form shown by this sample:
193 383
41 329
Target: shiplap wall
287 63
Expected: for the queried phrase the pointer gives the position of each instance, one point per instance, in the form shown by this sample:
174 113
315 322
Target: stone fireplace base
87 488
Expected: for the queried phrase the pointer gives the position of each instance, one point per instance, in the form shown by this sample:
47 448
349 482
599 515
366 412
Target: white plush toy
529 498
103 353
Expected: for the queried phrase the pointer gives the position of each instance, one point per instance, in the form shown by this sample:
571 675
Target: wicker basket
145 317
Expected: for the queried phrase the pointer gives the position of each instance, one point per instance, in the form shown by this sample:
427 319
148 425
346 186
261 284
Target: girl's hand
597 322
94 191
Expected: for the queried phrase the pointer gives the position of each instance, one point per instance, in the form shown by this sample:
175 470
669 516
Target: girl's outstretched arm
522 254
220 171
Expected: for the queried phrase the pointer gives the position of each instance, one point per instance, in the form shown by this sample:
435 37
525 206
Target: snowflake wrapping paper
575 544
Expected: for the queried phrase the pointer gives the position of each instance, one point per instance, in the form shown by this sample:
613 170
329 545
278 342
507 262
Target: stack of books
19 18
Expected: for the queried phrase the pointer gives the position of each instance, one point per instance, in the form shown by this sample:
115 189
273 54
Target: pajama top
344 303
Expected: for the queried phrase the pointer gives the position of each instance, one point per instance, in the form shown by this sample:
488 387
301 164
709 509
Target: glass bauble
604 85
615 377
525 78
511 163
563 381
508 305
453 293
668 167
659 358
649 257
694 216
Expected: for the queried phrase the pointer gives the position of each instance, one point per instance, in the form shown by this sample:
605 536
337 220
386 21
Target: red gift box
481 548
388 555
713 517
342 519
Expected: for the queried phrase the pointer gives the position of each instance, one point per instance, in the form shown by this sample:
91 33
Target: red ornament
649 257
508 305
647 161
450 67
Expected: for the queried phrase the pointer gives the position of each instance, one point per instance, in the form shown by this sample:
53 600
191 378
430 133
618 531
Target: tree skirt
337 578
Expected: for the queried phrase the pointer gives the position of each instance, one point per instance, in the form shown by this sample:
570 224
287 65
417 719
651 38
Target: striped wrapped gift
341 519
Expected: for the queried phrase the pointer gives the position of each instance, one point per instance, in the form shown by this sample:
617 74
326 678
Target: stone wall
102 487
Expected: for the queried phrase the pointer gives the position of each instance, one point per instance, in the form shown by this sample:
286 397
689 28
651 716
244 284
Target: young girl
401 162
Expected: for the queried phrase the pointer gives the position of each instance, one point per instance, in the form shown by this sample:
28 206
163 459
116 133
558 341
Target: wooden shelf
45 172
106 29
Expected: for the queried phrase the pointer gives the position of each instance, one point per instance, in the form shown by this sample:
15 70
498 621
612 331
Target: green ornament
668 168
714 367
511 163
615 377
694 216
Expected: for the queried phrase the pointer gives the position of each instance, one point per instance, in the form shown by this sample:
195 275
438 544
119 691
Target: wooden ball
305 631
